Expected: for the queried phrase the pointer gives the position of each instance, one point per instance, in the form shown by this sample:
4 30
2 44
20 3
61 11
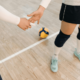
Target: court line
25 49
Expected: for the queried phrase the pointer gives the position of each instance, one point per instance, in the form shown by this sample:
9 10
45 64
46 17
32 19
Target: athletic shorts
70 14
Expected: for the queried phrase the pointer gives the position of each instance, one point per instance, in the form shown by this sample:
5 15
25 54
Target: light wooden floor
34 64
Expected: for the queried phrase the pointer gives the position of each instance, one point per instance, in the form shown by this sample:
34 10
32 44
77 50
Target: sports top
72 2
45 3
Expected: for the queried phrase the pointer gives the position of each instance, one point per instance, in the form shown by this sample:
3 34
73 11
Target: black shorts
70 14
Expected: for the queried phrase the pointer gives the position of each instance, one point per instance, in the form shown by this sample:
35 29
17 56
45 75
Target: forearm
45 3
9 17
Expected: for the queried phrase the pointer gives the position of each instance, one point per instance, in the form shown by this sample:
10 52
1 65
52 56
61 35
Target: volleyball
43 32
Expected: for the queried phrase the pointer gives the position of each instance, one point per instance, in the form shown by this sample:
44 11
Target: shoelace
54 61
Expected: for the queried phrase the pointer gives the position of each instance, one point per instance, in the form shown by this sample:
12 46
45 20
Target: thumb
31 14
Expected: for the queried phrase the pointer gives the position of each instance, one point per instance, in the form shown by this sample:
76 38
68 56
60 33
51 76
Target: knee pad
78 35
61 39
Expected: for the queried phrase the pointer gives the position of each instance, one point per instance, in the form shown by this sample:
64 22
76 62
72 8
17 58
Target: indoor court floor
23 56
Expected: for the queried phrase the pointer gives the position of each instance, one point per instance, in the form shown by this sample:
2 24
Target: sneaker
0 77
54 64
77 54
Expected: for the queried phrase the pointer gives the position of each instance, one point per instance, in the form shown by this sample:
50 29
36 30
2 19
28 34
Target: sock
78 41
56 51
78 46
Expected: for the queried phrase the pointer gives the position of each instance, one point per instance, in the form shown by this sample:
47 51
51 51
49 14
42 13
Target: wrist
19 21
41 8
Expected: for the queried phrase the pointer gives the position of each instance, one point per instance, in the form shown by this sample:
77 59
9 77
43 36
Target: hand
36 15
24 24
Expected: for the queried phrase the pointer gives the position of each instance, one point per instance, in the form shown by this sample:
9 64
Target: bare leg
67 28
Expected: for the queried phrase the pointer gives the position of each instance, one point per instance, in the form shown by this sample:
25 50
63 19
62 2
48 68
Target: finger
30 20
30 14
26 27
22 28
29 26
33 21
38 22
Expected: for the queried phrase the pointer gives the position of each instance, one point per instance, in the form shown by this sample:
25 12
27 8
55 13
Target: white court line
25 49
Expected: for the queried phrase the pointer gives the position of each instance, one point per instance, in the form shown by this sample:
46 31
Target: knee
61 39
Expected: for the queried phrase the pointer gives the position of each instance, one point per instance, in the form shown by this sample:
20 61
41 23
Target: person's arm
9 17
5 15
36 15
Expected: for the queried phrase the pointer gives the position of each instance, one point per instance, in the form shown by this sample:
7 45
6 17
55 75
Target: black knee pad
61 39
78 35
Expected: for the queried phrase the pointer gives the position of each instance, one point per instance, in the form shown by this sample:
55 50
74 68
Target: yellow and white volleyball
43 32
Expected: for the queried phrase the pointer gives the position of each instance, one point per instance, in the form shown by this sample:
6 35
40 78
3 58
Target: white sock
56 51
78 46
